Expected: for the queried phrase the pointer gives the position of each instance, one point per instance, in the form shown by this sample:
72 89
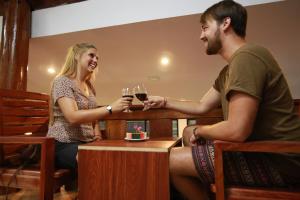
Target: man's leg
184 175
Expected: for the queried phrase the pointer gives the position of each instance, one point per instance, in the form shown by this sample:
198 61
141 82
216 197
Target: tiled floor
33 195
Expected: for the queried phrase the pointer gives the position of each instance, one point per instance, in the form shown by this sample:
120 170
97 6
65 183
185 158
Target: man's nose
202 35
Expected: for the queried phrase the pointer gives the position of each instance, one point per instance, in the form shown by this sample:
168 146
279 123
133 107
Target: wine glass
127 92
140 92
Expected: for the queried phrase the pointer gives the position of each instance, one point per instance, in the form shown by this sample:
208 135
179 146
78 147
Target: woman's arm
75 116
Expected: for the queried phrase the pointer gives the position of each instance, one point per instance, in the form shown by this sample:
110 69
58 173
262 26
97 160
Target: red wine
131 96
141 96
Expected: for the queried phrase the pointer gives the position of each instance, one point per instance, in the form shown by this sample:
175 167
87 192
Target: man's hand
154 102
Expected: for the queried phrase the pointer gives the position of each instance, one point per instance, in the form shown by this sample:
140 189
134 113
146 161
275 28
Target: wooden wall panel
160 128
115 129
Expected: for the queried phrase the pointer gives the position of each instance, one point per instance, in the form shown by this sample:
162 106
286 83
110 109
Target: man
256 104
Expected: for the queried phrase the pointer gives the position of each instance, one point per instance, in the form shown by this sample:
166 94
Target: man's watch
109 109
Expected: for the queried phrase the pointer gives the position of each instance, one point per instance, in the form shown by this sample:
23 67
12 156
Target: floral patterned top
61 129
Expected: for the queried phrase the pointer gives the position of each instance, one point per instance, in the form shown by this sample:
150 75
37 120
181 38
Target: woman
74 113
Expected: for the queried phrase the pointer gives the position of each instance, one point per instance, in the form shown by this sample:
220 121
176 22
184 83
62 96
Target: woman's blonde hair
69 69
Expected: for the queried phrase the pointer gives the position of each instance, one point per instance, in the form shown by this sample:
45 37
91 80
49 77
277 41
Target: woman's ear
77 57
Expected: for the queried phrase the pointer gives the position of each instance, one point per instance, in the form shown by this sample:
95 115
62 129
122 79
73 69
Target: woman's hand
155 102
121 104
97 138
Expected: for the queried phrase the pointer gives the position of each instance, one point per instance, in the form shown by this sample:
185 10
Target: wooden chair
244 193
22 112
247 193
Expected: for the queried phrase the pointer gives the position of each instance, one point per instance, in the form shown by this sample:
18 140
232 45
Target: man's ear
226 23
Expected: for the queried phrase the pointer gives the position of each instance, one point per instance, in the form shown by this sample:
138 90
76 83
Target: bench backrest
160 120
22 112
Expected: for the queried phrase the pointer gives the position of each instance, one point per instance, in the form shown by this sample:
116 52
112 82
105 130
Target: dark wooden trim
41 4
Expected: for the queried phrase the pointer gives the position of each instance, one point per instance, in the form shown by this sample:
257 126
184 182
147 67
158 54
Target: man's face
210 35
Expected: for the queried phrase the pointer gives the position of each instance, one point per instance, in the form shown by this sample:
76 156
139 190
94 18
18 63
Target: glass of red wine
140 92
127 92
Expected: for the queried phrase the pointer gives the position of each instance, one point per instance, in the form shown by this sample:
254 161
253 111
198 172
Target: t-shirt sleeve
247 74
219 82
62 87
216 85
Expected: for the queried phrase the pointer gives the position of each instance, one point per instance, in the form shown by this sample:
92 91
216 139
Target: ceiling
129 54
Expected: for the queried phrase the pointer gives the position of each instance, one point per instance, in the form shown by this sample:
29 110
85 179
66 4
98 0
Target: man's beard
214 45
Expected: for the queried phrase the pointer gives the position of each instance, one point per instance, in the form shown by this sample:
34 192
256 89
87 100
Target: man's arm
208 102
241 117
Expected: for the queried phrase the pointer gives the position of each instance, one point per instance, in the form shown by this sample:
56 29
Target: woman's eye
93 56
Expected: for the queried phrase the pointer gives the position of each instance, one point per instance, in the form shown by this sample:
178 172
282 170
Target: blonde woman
74 112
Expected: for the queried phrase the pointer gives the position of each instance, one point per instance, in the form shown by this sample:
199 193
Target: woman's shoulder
62 79
63 82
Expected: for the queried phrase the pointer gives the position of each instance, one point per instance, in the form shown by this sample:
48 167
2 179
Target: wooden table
118 169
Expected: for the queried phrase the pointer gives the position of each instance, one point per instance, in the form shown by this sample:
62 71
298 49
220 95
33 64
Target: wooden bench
27 112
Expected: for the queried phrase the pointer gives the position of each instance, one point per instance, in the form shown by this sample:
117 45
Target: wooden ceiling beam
1 7
41 4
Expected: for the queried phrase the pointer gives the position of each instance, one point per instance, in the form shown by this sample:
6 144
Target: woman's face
89 60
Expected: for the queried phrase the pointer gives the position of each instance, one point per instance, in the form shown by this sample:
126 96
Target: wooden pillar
15 44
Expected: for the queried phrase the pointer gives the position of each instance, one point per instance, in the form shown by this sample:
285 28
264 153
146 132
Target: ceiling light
51 70
164 60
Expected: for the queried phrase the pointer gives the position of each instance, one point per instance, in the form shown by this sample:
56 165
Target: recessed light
164 60
51 70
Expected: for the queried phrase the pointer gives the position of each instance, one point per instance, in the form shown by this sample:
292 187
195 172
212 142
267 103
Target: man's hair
228 8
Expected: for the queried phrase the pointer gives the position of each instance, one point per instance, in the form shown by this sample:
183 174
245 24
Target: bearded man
257 105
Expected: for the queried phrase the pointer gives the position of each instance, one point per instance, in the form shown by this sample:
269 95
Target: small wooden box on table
118 169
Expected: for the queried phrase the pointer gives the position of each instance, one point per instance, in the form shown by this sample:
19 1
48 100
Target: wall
103 13
129 53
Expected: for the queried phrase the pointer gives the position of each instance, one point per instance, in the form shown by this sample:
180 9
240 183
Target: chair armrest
256 146
260 146
22 139
47 154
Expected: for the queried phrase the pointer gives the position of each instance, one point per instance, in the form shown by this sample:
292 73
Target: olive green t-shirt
253 70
